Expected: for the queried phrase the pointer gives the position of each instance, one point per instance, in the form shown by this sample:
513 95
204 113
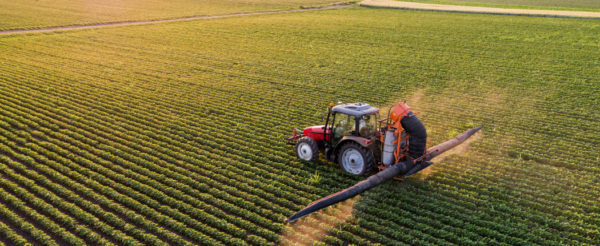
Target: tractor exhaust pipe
405 168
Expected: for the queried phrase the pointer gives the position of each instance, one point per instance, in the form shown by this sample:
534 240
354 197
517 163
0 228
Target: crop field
173 133
29 14
581 5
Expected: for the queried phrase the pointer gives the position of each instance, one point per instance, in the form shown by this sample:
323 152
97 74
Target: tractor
359 141
355 137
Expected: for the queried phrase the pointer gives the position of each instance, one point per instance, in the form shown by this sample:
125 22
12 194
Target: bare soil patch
316 226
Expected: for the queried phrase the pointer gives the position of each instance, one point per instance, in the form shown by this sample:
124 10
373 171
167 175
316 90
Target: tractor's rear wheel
355 159
307 149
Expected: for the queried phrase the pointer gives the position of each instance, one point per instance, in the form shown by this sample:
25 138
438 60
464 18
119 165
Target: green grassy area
174 133
28 14
577 5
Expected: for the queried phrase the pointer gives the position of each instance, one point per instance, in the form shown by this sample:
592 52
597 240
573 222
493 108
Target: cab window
344 125
367 125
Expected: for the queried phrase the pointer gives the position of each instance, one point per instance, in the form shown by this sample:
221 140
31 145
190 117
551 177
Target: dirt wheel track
478 10
144 22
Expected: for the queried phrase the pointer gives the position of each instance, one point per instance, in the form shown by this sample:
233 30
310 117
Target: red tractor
355 137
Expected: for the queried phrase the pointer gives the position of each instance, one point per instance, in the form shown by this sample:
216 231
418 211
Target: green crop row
118 197
102 200
97 210
176 137
15 238
129 191
46 222
63 138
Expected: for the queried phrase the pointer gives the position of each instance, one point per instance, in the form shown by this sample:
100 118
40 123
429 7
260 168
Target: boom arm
405 168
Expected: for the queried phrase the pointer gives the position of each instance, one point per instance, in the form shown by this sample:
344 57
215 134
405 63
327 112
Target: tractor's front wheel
355 159
307 149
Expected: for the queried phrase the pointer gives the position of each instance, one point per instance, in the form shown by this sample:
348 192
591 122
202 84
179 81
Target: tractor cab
357 120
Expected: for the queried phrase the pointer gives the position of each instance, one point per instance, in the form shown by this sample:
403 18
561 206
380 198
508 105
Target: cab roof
355 109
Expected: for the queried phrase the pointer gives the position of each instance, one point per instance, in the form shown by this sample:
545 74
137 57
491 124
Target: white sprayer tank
388 147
